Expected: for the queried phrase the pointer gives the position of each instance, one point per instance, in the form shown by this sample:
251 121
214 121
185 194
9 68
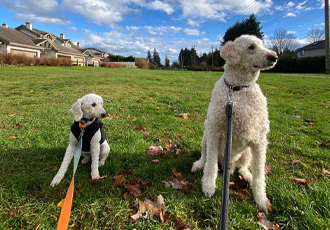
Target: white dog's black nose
103 114
272 58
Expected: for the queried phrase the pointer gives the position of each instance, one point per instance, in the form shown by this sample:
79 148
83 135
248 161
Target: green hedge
300 65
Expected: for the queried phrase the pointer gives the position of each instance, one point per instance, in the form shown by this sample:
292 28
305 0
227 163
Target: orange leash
66 209
63 221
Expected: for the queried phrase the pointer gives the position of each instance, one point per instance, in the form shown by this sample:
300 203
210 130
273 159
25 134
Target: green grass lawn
34 131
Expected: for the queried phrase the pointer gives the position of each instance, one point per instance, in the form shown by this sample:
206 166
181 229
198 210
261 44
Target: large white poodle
86 110
245 57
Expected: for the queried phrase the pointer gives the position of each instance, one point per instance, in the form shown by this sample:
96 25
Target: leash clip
230 92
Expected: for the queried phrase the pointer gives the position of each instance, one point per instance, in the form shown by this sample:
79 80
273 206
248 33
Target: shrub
300 65
143 64
23 60
112 65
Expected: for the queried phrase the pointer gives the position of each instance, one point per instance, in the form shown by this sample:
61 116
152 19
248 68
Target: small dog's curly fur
245 57
86 110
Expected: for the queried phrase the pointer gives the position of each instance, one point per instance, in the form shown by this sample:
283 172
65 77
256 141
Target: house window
302 53
68 45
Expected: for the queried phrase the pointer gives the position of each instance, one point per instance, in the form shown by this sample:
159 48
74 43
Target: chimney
78 44
5 25
29 25
62 35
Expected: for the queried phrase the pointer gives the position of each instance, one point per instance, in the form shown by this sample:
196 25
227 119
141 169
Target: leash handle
226 168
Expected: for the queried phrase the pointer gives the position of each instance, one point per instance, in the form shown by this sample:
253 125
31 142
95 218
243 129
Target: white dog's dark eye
251 47
94 104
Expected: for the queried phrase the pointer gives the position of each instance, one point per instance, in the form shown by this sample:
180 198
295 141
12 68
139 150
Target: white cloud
290 14
290 4
158 5
97 11
42 19
134 28
193 32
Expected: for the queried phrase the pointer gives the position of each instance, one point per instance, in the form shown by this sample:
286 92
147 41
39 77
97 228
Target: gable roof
12 36
315 45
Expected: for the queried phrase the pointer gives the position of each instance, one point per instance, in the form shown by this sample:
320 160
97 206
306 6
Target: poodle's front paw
197 165
208 188
95 176
55 181
263 207
209 191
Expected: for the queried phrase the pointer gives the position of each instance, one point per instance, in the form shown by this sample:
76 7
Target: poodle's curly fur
86 109
245 57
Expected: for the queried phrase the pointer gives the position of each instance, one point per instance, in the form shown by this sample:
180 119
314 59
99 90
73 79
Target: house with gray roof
15 42
30 41
311 50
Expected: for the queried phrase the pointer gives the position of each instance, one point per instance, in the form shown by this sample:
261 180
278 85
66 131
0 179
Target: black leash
223 225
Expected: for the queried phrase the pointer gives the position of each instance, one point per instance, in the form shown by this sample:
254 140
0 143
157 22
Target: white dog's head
89 106
248 52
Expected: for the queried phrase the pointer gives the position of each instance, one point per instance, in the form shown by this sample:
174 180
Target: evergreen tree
149 58
167 61
247 26
156 58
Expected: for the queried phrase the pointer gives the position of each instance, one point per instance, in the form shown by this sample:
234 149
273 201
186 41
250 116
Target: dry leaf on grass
295 162
182 185
296 116
149 209
267 224
267 169
325 172
172 147
184 115
153 150
176 173
111 116
119 180
179 225
299 180
242 194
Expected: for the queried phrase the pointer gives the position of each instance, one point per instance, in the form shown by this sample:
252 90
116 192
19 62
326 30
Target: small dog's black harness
89 132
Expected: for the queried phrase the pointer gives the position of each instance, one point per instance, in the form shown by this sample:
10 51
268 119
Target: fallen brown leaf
119 180
172 147
184 115
269 206
295 162
267 224
155 161
179 225
176 173
12 137
242 194
299 180
267 169
151 152
111 116
325 172
151 210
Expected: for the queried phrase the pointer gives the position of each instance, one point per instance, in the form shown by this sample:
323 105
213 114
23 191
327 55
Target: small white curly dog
86 110
245 57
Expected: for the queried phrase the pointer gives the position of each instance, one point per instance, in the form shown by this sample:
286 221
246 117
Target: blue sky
132 27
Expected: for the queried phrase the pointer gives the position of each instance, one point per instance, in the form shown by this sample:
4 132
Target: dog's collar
85 120
237 88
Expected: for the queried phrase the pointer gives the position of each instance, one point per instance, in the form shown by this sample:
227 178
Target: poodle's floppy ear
76 110
230 53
